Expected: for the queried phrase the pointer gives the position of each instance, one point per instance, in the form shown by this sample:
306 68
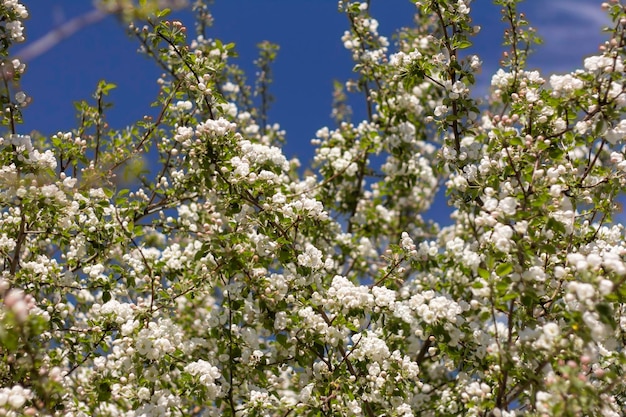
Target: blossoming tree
225 283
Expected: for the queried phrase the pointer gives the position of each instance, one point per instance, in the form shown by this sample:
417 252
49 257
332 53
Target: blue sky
310 58
311 55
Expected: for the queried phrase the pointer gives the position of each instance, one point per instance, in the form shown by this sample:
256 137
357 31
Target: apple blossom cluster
225 281
15 398
16 12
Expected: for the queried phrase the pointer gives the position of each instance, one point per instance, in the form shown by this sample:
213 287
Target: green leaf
236 304
503 286
483 273
104 87
104 391
555 226
282 339
504 269
529 300
320 349
9 338
606 314
509 295
477 284
462 44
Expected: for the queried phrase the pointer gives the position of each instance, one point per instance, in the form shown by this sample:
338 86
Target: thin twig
55 36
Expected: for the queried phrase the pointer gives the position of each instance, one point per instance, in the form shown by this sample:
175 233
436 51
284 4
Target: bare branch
55 36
